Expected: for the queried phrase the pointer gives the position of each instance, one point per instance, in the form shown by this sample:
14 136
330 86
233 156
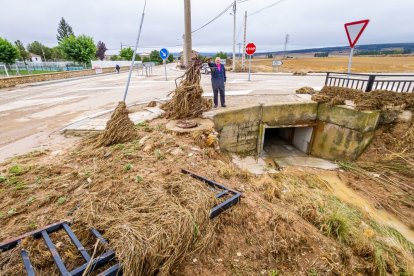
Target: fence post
370 83
327 77
5 69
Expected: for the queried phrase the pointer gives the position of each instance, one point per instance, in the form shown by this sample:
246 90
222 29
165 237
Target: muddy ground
289 223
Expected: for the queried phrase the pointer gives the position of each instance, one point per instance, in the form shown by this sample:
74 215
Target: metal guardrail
93 264
368 82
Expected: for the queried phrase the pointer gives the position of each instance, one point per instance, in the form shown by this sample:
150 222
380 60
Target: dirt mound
119 128
306 90
299 73
187 99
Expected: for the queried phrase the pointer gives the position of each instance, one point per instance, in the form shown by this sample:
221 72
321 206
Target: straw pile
154 227
119 128
187 99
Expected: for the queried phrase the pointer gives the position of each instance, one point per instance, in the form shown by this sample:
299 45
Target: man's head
218 60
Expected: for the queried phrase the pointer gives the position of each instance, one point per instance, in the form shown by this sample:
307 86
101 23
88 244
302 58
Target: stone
107 154
406 116
143 140
148 147
177 151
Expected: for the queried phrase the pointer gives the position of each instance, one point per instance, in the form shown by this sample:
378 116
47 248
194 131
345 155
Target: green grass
2 179
159 154
16 170
61 200
31 199
142 124
127 167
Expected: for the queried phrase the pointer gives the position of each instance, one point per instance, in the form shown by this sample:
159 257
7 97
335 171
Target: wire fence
31 68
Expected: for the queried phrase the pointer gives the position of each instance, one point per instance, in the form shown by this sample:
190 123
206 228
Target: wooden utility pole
187 39
244 39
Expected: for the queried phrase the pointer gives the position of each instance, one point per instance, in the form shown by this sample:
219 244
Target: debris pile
187 99
375 100
119 128
306 90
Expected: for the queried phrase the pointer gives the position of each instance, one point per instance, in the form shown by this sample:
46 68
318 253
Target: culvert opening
287 141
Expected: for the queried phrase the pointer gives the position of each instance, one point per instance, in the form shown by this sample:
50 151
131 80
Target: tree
22 50
170 58
8 52
64 30
115 57
39 49
126 53
100 51
57 53
221 55
80 49
155 56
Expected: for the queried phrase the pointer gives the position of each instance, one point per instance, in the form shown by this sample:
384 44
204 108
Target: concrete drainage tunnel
296 134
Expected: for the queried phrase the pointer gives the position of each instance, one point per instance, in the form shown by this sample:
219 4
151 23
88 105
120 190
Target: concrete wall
302 138
340 132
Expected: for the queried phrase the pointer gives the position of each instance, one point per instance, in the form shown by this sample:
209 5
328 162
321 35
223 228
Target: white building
35 58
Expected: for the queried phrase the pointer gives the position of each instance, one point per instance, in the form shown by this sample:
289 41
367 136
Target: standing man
218 81
117 67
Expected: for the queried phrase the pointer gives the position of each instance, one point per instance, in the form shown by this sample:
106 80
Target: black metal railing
369 82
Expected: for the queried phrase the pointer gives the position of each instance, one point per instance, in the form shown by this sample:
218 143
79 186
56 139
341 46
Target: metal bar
56 257
217 210
99 236
392 87
352 84
112 271
27 264
208 181
221 194
10 243
330 81
357 84
376 85
402 89
77 243
382 85
398 86
96 263
327 77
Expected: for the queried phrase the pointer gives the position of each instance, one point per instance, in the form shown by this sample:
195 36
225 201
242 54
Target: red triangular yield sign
354 31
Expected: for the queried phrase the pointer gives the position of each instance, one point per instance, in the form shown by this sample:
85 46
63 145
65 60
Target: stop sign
250 49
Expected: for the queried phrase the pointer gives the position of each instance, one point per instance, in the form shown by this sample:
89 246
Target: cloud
310 23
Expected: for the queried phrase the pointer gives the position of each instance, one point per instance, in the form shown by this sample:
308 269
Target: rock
190 154
143 140
148 147
89 180
194 260
177 151
239 254
406 116
107 154
152 104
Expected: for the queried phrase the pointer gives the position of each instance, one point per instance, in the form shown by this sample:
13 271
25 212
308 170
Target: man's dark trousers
218 78
218 87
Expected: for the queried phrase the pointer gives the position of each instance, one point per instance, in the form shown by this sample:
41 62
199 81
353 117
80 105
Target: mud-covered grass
156 218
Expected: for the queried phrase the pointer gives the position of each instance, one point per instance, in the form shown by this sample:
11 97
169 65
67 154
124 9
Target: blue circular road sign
164 53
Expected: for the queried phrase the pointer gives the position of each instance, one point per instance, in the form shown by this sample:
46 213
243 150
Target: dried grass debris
187 99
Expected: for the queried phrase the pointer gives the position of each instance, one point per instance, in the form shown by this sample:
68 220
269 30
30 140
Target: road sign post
250 50
354 31
164 55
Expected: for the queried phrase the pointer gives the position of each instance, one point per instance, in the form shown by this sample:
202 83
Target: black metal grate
94 264
223 192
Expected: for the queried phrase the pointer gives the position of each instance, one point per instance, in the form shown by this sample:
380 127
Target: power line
214 19
267 7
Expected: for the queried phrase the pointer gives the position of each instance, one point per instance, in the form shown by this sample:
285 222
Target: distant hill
369 47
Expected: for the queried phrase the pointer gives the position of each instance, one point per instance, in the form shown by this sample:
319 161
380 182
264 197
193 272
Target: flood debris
306 90
187 99
375 100
119 128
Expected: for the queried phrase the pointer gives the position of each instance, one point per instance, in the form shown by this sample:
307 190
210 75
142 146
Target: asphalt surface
31 116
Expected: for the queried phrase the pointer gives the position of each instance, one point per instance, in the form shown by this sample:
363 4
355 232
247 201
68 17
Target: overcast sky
310 23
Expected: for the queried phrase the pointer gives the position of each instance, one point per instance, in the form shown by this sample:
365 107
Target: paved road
31 116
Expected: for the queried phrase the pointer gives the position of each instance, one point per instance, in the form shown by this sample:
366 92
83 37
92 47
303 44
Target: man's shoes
215 106
223 105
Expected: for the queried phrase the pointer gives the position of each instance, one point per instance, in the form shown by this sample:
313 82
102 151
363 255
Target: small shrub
16 170
11 212
119 146
139 179
142 124
128 167
61 200
31 199
2 179
20 185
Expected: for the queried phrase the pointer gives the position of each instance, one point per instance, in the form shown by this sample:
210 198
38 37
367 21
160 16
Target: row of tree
79 48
